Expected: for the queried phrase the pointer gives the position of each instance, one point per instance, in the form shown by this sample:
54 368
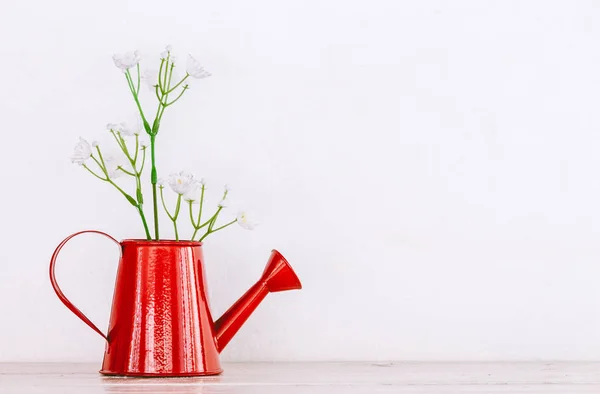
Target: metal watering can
160 323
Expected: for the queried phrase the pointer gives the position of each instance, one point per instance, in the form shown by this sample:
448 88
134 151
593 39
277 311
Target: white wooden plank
299 378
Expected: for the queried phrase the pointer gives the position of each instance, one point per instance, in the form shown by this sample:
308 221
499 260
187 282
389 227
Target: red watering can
160 323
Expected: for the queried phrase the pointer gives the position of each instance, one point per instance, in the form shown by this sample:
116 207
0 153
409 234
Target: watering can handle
59 292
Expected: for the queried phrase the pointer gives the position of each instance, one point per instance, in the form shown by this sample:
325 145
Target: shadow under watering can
160 322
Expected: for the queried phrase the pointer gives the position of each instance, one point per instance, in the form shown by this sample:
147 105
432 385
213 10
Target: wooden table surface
296 378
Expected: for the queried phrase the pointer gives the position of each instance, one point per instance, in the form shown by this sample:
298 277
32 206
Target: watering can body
160 322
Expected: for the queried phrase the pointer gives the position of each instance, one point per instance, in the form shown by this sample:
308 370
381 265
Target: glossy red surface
160 323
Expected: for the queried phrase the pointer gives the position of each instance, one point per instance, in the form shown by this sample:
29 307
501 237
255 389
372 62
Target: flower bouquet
161 324
134 140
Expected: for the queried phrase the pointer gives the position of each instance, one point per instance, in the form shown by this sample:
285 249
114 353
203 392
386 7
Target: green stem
209 221
204 236
176 215
161 107
210 230
117 139
138 189
178 84
225 225
93 173
165 86
153 180
126 172
138 206
197 226
137 91
178 97
160 70
103 166
201 205
192 214
166 95
141 211
130 81
143 161
177 207
214 219
135 203
137 101
158 95
137 148
132 201
165 205
127 196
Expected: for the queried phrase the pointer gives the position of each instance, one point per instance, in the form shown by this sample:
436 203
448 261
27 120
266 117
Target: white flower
246 220
150 77
144 143
126 60
126 129
228 188
164 54
160 182
195 69
112 164
202 181
181 182
193 195
94 144
116 127
83 151
129 130
224 203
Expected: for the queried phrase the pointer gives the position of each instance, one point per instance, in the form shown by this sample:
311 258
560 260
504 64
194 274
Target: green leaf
147 127
131 200
155 126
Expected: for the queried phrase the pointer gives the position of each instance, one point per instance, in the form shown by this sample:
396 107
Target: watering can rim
161 242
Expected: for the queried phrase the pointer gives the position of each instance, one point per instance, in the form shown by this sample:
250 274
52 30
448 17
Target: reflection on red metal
160 323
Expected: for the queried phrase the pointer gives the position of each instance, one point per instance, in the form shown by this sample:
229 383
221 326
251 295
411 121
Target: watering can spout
277 276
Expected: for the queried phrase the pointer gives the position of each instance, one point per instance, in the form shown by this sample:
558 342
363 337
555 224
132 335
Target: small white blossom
112 164
202 181
94 144
246 220
181 182
116 127
224 203
83 151
144 142
195 69
193 195
150 77
126 60
126 129
129 129
160 182
227 188
164 54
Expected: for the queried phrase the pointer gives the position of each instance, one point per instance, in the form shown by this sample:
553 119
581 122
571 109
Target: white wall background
430 168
